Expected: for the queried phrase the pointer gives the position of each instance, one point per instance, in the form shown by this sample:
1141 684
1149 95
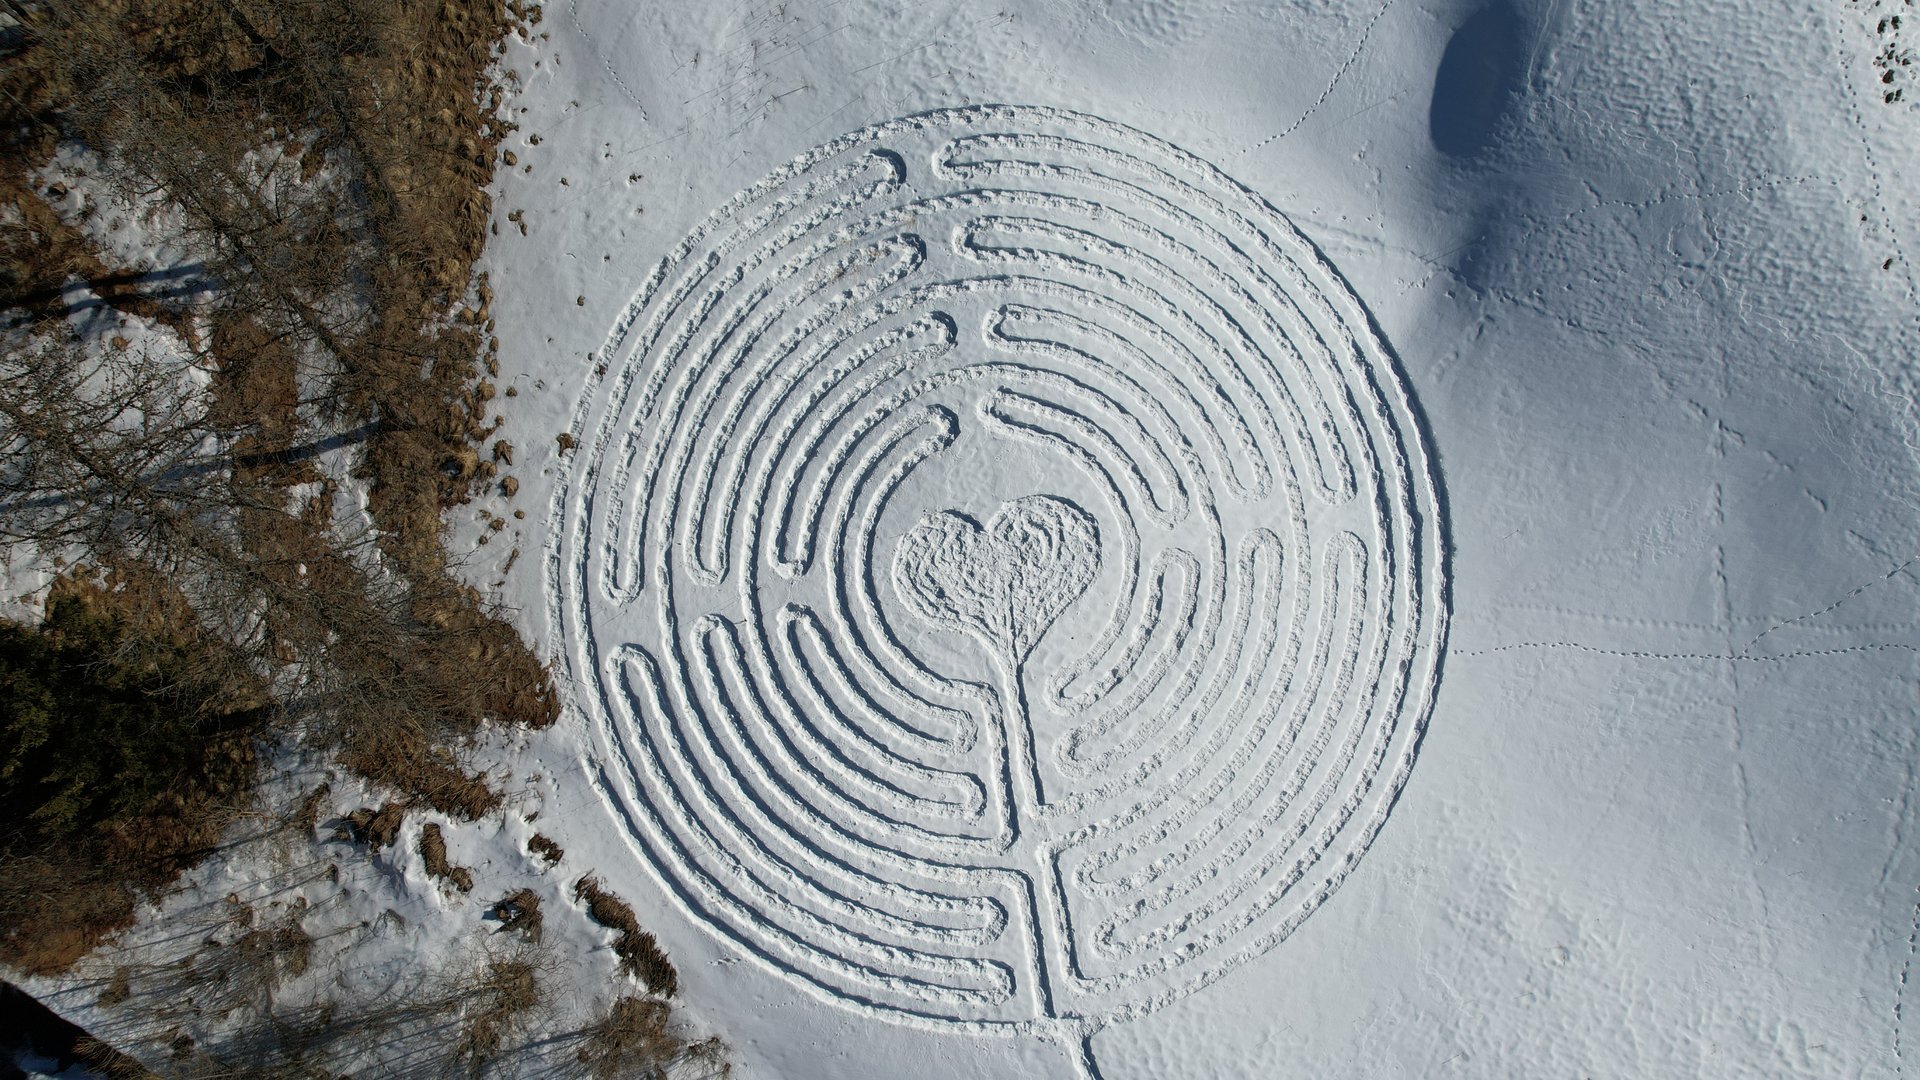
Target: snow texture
872 335
1653 459
1184 538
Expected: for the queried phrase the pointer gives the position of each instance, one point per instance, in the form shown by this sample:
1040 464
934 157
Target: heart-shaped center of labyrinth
1007 582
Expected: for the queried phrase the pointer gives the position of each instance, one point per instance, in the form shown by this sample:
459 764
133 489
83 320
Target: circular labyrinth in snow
1002 569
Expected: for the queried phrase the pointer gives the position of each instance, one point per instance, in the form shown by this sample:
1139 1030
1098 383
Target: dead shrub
635 1040
520 910
506 993
307 817
376 828
243 970
125 750
119 986
640 954
409 762
57 912
433 850
548 851
105 1061
632 1040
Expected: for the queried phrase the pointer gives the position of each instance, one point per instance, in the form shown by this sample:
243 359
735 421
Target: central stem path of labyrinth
1003 572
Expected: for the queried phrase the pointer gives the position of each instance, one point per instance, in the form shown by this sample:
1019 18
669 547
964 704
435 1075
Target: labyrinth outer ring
1021 274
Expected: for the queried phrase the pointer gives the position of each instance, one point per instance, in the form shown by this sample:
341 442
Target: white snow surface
1619 326
1629 268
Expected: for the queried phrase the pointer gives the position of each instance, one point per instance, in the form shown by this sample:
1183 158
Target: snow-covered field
1192 538
1628 262
1654 457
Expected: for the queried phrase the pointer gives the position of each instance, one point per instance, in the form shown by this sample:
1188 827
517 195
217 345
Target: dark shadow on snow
29 1030
193 473
155 286
1479 75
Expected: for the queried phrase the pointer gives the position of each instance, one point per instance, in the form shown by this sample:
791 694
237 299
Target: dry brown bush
244 962
549 852
306 817
640 954
119 987
500 1002
376 828
635 1041
478 1016
103 1060
125 752
58 912
632 1040
460 1021
405 759
433 851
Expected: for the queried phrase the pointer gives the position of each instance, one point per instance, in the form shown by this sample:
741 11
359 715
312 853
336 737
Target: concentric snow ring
1165 603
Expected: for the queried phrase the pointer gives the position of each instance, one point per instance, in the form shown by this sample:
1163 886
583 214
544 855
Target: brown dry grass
466 1018
632 1040
433 851
244 970
376 828
548 851
640 954
119 987
306 817
104 1060
62 912
67 882
503 998
350 272
635 1041
406 760
520 910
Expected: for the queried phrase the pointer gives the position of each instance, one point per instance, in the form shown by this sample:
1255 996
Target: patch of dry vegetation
306 816
433 851
548 851
248 959
520 910
509 991
477 1017
462 1019
328 161
376 827
635 1040
640 955
93 816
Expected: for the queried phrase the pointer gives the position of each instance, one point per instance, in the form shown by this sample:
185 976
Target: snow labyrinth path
1003 572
